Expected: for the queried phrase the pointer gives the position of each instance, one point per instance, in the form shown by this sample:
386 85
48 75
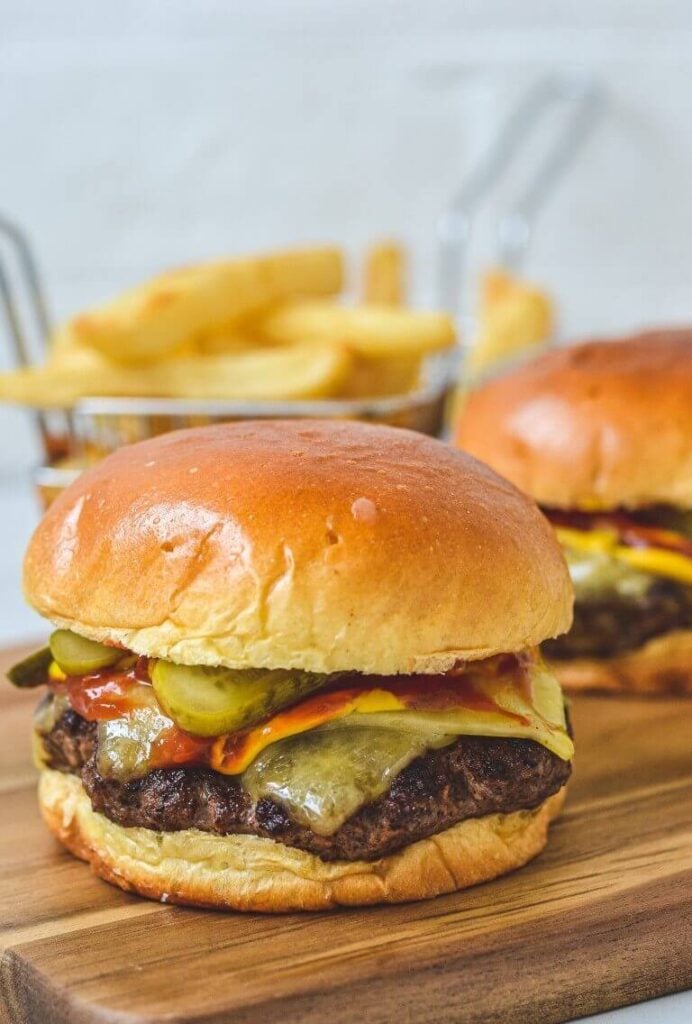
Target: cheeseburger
601 436
295 665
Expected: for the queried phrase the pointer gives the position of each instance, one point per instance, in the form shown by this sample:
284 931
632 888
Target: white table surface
18 515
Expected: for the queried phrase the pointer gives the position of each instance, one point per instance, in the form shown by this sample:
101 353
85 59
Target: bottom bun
251 873
661 666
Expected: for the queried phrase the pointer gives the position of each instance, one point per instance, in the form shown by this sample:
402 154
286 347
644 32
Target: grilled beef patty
613 624
472 777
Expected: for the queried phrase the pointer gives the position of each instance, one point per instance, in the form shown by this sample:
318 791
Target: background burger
295 667
601 436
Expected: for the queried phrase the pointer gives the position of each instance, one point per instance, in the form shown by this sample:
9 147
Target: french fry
379 377
496 285
366 330
256 328
384 275
225 338
302 273
514 317
223 343
265 374
62 342
157 318
63 352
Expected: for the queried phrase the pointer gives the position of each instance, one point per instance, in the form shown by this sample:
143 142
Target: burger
295 666
600 435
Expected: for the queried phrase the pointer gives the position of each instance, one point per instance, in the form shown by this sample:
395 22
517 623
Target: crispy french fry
302 273
384 275
62 342
496 285
514 317
160 316
224 344
366 330
381 376
223 339
265 374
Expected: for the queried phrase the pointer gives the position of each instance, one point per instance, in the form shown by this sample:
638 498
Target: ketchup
104 696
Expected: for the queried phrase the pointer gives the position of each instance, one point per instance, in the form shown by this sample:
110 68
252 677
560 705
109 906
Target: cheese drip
605 543
483 704
339 748
324 776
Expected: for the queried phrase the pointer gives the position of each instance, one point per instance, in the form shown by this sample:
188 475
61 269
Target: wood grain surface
601 919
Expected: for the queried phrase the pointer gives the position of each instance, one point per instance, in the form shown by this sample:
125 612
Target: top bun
598 425
299 544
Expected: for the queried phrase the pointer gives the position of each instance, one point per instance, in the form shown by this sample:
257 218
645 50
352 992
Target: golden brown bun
592 426
299 544
250 873
663 665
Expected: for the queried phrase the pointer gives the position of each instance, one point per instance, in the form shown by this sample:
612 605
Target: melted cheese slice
527 705
658 562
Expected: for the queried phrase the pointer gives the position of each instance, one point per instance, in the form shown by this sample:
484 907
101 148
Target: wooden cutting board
603 918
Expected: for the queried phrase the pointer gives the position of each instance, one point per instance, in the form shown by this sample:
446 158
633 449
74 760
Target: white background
144 133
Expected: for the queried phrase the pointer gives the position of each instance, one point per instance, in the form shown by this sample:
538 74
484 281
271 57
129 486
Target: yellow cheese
496 706
55 672
327 769
657 561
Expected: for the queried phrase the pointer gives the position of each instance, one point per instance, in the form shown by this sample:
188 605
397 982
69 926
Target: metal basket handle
26 313
584 98
30 279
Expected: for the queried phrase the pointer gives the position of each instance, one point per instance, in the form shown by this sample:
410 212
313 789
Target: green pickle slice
77 656
33 670
210 701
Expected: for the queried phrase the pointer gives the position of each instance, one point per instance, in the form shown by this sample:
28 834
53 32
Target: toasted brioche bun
661 666
593 426
250 873
315 545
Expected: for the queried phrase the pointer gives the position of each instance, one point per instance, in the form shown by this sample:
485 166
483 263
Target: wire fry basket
98 425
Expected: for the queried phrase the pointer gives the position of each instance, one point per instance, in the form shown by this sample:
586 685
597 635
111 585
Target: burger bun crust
315 545
593 426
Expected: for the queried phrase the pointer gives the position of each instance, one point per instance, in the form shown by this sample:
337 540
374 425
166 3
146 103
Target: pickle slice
77 656
211 701
31 671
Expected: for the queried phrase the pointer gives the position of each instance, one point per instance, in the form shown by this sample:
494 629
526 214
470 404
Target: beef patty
472 777
611 624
